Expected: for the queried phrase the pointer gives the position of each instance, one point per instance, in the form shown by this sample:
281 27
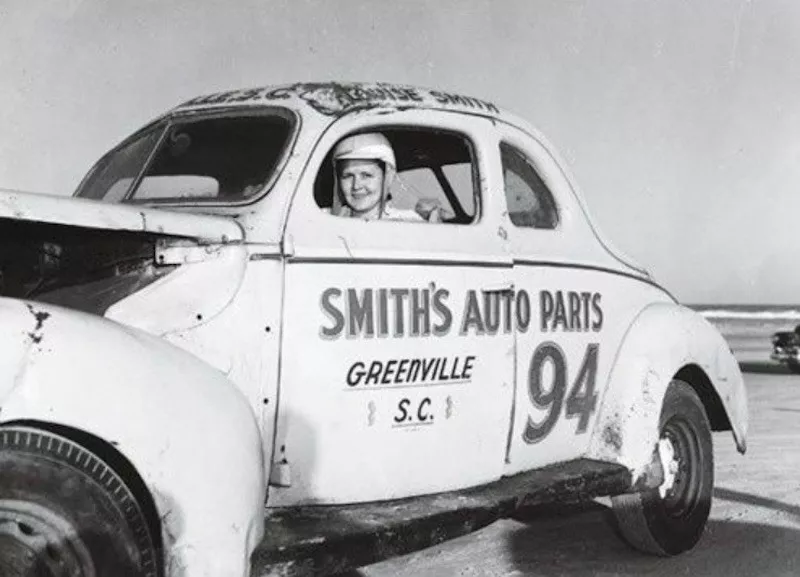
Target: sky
679 119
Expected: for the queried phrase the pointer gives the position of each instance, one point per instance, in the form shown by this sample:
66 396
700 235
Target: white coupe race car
210 366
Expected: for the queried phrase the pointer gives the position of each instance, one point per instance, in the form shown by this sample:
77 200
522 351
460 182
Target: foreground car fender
662 341
185 428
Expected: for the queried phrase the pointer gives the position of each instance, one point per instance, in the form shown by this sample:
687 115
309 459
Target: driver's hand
430 209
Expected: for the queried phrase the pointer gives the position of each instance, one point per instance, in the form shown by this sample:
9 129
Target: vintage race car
786 348
210 368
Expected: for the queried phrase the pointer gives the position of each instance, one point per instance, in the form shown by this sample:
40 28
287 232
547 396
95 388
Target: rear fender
187 430
662 340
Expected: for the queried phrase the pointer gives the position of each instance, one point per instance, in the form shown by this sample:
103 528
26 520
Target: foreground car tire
670 519
65 512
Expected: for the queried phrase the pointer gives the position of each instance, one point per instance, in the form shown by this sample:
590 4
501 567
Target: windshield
220 158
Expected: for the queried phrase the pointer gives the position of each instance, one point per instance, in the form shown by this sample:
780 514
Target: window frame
168 121
478 201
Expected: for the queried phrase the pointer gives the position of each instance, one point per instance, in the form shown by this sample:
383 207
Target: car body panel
584 315
22 206
456 393
583 297
663 339
159 407
173 303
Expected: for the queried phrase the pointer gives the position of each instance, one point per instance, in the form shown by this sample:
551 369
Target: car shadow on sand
584 541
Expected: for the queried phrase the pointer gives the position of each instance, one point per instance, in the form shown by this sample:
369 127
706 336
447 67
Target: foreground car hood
86 213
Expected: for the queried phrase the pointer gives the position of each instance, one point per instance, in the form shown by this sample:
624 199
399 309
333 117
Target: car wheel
670 519
794 366
65 513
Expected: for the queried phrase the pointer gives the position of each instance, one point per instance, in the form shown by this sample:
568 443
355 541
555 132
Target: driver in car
365 168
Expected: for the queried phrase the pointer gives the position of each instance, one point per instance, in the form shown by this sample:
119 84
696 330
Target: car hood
85 213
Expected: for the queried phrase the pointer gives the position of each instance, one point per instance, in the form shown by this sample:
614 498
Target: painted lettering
335 98
383 312
399 295
424 312
402 407
417 371
388 372
420 313
467 372
472 315
422 411
546 308
574 311
570 311
413 370
443 311
560 315
508 308
355 374
586 298
491 312
598 312
550 396
333 313
427 368
401 371
373 373
523 311
360 317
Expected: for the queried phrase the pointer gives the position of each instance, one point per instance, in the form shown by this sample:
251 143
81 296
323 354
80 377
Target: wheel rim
679 449
36 542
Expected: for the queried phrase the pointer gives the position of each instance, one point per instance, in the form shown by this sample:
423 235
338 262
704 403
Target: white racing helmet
371 146
368 146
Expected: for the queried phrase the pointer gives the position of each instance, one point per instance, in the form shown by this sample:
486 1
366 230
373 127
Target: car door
397 364
582 299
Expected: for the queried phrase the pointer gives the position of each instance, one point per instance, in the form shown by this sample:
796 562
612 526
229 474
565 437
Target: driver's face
361 183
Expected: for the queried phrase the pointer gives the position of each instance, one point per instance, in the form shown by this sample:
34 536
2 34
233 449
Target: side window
408 174
530 202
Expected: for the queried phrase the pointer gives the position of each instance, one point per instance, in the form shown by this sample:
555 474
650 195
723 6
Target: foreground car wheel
65 513
670 519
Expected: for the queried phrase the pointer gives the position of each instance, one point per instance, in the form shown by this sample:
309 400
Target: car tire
670 519
65 512
794 366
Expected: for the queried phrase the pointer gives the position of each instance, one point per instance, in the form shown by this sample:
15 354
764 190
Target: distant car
206 370
786 348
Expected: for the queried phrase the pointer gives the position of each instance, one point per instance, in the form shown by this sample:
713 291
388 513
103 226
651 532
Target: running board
329 539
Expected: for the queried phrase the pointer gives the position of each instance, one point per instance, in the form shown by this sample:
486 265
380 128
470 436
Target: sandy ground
754 527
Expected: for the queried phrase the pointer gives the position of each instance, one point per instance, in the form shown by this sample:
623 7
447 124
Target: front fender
187 430
663 339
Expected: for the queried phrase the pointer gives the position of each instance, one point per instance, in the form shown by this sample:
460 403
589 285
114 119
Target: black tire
65 512
794 366
674 523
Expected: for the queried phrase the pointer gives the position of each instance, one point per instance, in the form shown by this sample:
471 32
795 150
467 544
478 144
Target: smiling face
362 183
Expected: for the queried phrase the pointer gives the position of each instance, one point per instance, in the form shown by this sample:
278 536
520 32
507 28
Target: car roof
324 102
336 99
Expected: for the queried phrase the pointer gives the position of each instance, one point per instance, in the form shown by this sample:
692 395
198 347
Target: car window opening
530 202
224 158
434 180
